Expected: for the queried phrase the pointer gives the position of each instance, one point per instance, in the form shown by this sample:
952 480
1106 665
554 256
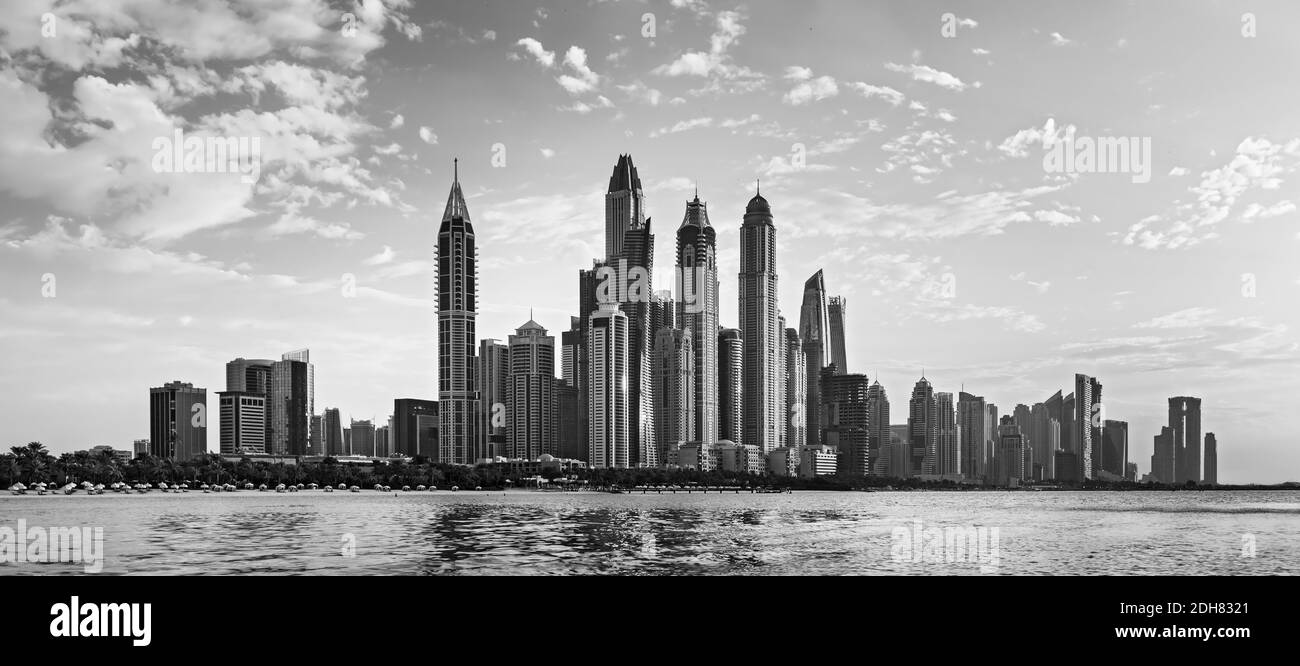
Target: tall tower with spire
630 250
697 310
760 330
813 329
458 396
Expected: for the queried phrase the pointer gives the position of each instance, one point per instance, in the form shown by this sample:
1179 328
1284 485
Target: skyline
172 287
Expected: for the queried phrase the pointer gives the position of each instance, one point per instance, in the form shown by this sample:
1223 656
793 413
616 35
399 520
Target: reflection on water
589 533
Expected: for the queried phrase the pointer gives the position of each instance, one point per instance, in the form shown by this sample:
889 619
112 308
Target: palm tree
33 460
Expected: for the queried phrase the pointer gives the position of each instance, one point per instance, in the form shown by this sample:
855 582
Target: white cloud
427 135
1059 40
683 126
1187 318
537 51
385 256
548 153
1258 164
798 73
929 75
583 79
1178 171
1256 210
883 92
822 87
397 122
1018 145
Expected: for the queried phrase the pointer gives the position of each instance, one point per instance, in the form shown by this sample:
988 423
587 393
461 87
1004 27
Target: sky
902 146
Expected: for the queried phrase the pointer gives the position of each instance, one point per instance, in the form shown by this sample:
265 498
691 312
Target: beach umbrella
420 487
455 488
262 487
312 486
343 486
355 489
406 489
18 488
248 486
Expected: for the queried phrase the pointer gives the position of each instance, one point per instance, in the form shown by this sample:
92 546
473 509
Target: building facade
761 334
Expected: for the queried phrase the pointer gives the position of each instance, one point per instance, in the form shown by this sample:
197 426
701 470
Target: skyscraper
629 250
290 403
972 414
493 372
1163 457
178 421
796 391
531 393
674 379
879 439
458 396
835 315
363 438
1045 435
697 311
1068 428
1088 423
847 401
922 429
243 422
1211 459
731 389
334 445
1011 453
415 427
1114 449
948 443
812 331
624 207
760 330
1185 425
607 397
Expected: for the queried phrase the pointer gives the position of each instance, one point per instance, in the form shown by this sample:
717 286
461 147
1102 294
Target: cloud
683 126
979 51
537 51
583 79
547 153
641 92
1178 171
929 75
716 64
1187 318
1059 40
883 92
1256 210
397 122
1018 145
427 135
1257 165
822 87
385 256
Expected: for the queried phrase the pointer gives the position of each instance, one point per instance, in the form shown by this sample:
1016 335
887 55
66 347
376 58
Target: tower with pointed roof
760 329
457 284
697 310
922 429
813 329
530 415
629 249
